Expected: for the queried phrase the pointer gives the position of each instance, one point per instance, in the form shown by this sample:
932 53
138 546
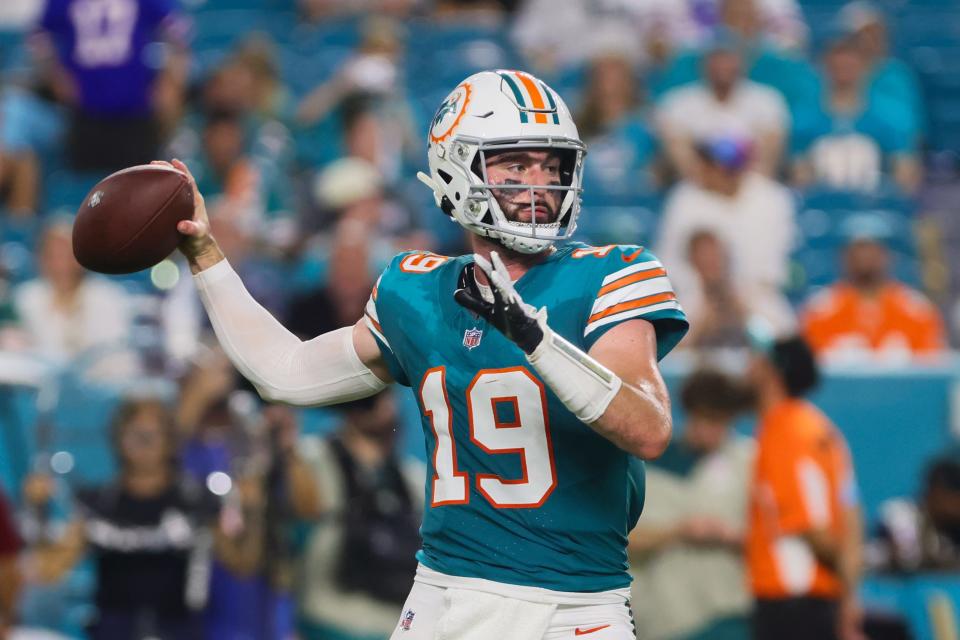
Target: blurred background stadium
793 163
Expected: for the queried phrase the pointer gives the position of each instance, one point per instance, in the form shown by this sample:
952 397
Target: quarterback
534 363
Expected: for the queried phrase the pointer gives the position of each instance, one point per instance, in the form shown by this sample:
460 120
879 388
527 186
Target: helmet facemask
487 217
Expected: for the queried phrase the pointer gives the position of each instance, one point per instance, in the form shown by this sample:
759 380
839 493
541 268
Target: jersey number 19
527 434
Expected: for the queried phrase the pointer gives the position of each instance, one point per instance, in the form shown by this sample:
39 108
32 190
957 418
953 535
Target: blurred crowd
781 170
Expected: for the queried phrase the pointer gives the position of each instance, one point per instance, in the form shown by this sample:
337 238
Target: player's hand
514 318
198 244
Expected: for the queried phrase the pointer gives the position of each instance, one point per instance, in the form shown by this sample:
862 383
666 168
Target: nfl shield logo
471 337
407 621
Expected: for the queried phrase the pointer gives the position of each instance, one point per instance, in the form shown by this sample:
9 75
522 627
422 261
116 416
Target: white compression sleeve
582 384
283 368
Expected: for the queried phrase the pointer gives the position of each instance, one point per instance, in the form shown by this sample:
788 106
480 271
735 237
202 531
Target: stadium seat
311 39
629 218
224 28
302 72
13 52
65 190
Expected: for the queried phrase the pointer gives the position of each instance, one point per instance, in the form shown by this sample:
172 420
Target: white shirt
750 111
767 303
757 226
100 316
578 30
19 14
680 589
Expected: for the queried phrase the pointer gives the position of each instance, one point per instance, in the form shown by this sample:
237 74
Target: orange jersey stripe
633 304
640 276
535 95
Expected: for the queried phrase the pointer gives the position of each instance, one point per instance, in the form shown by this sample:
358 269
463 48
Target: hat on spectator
347 181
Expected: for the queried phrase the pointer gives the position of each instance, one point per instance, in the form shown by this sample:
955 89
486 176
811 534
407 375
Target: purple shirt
105 44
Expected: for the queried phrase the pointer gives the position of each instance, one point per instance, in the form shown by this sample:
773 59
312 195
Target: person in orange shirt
869 311
804 536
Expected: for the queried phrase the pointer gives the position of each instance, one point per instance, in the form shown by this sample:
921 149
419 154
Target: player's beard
544 209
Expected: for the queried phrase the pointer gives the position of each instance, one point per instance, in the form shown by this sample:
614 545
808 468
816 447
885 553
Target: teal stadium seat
920 598
65 189
223 28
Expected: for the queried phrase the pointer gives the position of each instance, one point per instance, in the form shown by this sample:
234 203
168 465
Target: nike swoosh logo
633 256
582 632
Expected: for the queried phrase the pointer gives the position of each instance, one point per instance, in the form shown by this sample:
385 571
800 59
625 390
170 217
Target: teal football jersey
519 490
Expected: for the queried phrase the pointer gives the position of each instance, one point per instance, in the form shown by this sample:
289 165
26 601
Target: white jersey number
104 31
507 410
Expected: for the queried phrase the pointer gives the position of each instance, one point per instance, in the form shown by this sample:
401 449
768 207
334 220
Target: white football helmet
494 111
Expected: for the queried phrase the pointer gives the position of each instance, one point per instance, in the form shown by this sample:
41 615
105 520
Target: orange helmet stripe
535 96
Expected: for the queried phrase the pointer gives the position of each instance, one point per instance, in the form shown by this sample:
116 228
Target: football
128 221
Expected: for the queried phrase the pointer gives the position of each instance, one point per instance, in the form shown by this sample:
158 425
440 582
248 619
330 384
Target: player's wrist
204 256
530 336
582 384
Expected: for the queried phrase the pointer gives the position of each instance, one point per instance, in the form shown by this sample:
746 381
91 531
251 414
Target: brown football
128 221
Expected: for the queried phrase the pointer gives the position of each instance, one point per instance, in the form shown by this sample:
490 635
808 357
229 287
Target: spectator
224 433
804 537
351 189
341 297
492 12
375 115
149 532
366 228
720 314
118 88
67 312
689 578
622 148
847 138
377 131
923 536
887 76
777 23
724 102
31 129
19 173
9 572
230 88
271 100
869 314
750 214
358 562
238 186
642 31
770 34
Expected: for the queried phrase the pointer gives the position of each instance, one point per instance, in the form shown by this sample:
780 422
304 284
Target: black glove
508 312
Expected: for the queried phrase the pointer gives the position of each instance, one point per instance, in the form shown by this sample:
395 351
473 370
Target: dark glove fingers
472 303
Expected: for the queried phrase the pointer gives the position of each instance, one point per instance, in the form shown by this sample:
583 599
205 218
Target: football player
534 363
